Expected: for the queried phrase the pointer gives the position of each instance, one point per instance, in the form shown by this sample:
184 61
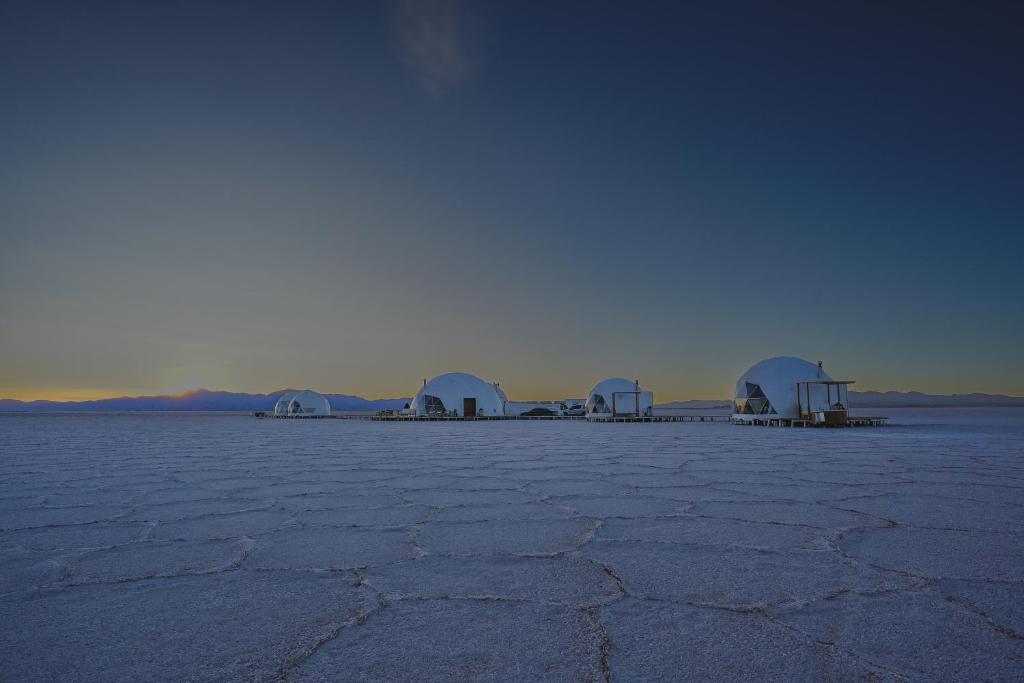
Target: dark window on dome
432 405
755 402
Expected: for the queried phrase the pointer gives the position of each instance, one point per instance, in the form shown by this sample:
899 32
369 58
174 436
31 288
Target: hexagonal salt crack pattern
531 537
75 537
918 634
939 553
569 579
228 626
653 641
154 559
786 512
230 525
943 513
1000 604
711 531
329 548
735 577
35 517
348 550
461 640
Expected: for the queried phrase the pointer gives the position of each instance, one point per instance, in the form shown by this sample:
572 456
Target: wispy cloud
438 40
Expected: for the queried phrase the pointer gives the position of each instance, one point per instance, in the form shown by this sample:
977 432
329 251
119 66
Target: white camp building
617 397
769 391
458 394
302 404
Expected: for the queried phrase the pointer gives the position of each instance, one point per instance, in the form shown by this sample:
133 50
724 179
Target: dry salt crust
192 547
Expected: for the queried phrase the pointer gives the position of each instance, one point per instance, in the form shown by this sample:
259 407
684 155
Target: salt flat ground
201 547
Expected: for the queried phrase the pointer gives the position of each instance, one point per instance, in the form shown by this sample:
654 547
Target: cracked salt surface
215 547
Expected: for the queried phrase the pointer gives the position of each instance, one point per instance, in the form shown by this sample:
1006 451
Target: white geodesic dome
619 396
451 393
768 389
302 404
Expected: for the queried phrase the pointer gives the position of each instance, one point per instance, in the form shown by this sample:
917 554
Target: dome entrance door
469 407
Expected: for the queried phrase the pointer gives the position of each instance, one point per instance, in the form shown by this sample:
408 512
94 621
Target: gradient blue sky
354 196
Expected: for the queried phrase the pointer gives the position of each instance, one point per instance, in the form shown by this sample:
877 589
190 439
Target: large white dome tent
458 394
615 397
302 404
768 390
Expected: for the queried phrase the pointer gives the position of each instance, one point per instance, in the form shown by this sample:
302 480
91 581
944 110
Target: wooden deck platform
859 421
445 418
621 418
664 418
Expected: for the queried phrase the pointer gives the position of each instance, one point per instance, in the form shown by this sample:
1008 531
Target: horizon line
194 392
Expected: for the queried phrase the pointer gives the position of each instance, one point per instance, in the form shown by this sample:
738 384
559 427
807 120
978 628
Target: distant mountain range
915 399
205 400
199 400
887 399
696 404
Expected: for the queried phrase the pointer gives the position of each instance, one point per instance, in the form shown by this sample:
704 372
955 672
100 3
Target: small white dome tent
458 394
281 407
615 397
768 391
302 404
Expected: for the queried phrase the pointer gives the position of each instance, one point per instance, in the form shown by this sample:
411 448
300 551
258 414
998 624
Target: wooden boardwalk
620 418
865 421
663 418
445 418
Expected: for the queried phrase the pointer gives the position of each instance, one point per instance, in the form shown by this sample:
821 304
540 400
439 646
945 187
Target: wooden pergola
836 414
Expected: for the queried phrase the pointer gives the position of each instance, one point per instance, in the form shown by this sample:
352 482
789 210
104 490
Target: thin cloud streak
437 40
